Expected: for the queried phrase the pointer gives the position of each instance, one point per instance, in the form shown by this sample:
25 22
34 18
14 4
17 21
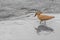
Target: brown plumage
42 17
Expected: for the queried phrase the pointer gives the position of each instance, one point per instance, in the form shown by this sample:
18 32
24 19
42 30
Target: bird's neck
38 15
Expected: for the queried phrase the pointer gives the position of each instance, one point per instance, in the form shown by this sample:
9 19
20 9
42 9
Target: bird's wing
45 17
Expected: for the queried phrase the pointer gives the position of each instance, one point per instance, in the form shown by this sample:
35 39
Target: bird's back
45 17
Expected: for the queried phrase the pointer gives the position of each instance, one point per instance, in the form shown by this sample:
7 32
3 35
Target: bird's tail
52 17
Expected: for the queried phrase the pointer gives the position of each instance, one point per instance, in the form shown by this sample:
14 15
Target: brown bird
43 17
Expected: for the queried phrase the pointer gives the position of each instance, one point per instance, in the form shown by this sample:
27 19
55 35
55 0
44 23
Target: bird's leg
44 22
40 22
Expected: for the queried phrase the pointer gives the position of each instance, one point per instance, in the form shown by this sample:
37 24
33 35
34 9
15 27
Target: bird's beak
35 15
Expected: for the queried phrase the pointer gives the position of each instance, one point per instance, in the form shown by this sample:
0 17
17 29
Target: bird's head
38 13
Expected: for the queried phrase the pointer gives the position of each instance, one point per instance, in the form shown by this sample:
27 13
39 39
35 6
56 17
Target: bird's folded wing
45 17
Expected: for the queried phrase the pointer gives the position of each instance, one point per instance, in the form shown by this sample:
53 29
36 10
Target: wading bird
43 17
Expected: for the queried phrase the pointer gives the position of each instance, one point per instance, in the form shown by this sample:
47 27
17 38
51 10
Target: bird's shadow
43 28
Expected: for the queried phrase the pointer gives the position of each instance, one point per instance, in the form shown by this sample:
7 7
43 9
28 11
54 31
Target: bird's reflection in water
43 28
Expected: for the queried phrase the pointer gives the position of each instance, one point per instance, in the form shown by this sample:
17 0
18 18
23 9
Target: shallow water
18 21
